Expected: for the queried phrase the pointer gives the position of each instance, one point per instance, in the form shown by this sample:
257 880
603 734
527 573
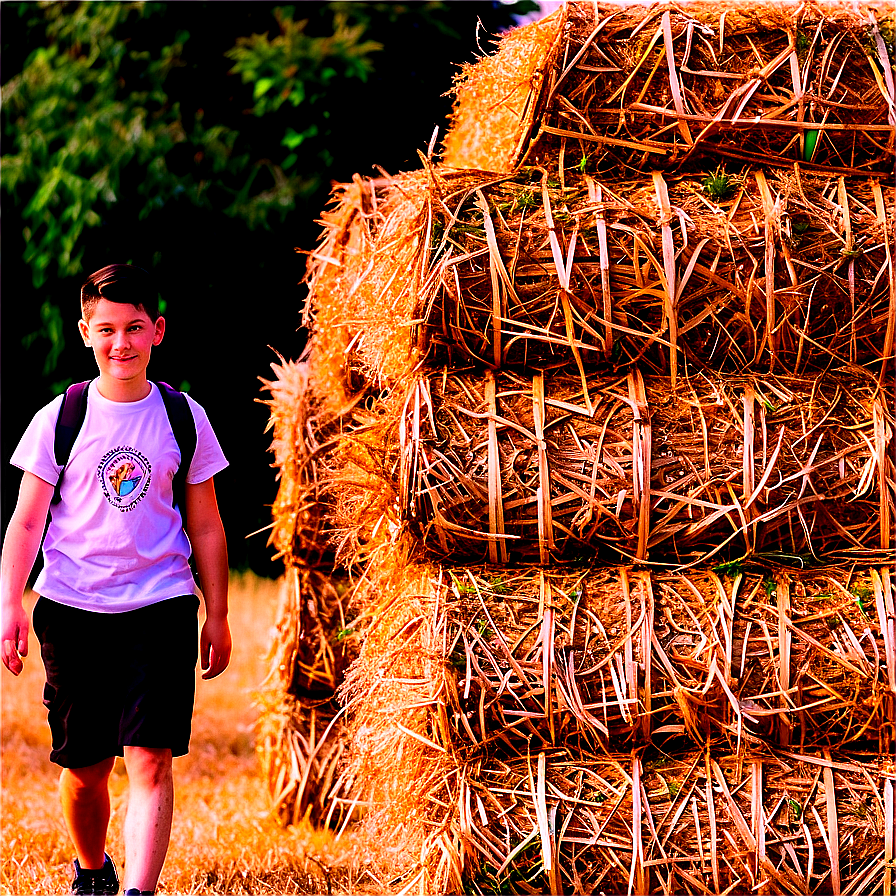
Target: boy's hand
14 637
20 547
214 647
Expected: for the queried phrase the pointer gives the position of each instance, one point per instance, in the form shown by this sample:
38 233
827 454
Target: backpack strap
184 428
68 424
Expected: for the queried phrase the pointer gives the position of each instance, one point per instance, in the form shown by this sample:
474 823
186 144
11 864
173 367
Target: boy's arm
20 547
206 533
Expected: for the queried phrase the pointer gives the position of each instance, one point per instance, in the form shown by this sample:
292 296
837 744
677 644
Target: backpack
74 410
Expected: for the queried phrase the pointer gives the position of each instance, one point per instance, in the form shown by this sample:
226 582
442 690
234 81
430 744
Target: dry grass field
224 838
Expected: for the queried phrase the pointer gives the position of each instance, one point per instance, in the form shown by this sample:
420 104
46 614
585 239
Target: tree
94 101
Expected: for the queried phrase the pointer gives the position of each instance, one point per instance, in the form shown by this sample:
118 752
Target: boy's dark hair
122 283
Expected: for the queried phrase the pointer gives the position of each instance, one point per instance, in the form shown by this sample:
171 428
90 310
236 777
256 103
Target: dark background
234 292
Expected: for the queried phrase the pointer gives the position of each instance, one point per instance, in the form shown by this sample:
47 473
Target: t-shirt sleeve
34 453
208 459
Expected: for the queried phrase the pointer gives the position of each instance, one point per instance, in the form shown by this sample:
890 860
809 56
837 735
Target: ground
224 839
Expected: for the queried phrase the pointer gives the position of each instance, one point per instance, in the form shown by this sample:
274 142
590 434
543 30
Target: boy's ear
160 330
84 330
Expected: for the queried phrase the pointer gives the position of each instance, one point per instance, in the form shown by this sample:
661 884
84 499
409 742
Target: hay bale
781 270
672 87
301 738
485 778
332 454
298 531
695 822
784 272
610 658
791 272
392 692
534 469
495 98
362 284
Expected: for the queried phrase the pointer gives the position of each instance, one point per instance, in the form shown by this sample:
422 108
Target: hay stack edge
587 474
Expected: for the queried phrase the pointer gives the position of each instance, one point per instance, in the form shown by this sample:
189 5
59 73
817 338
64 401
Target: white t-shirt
115 540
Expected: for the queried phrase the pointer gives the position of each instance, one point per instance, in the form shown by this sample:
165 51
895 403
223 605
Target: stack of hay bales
596 418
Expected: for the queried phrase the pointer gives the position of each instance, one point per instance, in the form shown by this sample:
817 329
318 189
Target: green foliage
89 107
811 141
52 328
298 69
71 132
526 199
295 68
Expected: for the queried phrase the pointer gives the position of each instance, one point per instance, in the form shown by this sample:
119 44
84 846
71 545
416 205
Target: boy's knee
148 765
88 777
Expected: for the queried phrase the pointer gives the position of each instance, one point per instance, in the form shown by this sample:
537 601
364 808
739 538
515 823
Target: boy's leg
84 794
147 825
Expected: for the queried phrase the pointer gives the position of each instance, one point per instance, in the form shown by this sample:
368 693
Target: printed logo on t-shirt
124 474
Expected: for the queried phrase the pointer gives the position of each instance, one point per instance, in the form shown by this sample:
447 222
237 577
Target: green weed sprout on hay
463 587
811 141
731 568
720 185
861 593
526 199
521 875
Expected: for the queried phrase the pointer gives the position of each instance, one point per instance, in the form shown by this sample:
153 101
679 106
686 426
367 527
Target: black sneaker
95 883
133 891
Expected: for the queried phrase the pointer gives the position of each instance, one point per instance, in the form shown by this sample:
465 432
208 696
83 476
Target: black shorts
117 680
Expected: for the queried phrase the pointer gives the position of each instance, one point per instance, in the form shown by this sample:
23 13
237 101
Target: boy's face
122 337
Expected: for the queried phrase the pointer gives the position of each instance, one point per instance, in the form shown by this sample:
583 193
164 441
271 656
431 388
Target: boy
116 616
